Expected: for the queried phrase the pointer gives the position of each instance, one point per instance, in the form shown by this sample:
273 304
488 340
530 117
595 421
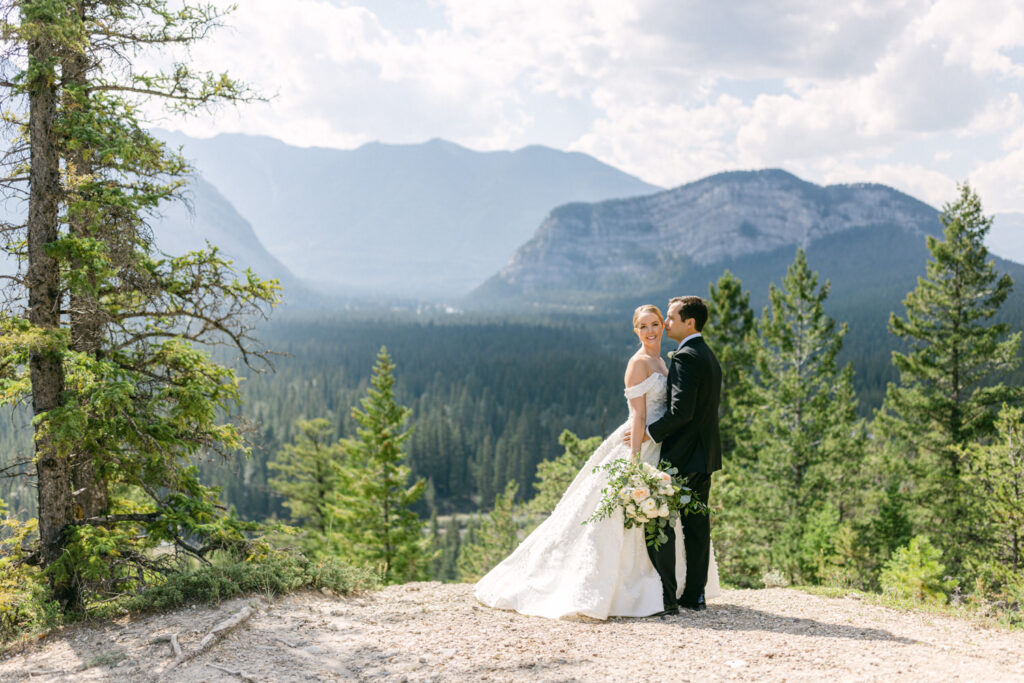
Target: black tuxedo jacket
688 431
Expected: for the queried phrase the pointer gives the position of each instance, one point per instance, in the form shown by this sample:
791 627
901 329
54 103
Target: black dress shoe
697 605
667 612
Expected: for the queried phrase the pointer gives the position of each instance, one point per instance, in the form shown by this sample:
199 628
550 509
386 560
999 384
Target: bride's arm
636 372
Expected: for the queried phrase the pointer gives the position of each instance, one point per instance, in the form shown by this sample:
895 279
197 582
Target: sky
916 94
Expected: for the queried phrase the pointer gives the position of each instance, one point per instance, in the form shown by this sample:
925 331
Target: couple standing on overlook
568 568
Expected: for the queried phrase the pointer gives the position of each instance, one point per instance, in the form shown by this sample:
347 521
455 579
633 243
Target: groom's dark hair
692 307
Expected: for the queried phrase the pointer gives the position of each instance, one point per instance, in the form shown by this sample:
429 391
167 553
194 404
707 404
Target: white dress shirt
695 334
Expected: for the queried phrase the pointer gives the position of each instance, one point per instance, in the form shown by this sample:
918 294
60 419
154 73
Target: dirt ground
438 632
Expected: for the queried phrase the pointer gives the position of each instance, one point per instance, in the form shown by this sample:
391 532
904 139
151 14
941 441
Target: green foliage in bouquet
649 497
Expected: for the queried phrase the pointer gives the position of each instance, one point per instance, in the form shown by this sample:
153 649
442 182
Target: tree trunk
46 364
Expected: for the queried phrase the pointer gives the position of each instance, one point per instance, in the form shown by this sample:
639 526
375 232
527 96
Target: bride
567 568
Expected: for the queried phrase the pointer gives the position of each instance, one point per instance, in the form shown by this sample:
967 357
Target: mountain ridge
433 218
598 247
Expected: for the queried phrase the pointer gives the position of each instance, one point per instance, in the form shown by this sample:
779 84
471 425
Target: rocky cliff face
637 243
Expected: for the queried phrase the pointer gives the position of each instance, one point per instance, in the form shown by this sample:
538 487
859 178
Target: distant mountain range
435 221
431 220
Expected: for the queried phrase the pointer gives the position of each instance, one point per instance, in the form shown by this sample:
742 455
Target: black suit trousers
696 541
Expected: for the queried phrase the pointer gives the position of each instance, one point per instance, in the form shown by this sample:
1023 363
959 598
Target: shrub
915 573
773 578
25 605
277 573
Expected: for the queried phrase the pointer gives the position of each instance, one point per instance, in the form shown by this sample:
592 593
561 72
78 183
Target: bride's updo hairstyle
647 308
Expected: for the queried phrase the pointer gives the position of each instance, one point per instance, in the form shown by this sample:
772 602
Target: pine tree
308 478
948 392
451 550
804 442
374 498
730 333
123 401
496 536
996 482
554 476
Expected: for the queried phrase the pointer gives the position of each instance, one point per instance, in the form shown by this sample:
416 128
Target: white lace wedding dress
566 568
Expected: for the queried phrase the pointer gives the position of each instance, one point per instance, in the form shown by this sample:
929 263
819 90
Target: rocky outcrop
631 243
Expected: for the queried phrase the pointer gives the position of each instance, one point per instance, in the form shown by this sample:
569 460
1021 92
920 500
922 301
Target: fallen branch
241 674
217 632
176 647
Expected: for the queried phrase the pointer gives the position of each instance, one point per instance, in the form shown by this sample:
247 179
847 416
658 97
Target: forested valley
489 395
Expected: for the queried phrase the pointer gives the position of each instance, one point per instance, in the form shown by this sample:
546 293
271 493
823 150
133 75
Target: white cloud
908 92
1000 182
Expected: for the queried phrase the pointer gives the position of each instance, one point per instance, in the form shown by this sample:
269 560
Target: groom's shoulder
685 353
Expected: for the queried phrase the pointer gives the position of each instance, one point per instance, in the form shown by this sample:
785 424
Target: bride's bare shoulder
637 369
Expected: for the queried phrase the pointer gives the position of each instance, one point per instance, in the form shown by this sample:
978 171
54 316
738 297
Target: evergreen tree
730 333
374 497
889 528
451 550
496 536
996 482
445 545
804 442
554 476
308 476
121 398
948 392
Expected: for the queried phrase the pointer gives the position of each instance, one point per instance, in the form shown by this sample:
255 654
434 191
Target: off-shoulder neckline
654 373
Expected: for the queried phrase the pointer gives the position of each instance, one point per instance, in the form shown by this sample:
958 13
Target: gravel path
437 632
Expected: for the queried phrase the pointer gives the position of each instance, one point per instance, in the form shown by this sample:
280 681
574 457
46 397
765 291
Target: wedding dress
600 569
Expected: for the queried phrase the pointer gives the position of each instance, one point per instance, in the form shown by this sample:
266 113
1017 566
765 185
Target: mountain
866 237
1007 236
644 242
207 215
425 220
609 257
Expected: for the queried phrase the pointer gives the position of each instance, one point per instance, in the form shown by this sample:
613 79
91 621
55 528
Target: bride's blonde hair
647 308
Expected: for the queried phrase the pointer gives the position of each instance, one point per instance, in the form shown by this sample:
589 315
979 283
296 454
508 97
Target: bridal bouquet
649 497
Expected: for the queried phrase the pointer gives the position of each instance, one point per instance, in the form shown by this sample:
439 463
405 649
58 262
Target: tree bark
46 364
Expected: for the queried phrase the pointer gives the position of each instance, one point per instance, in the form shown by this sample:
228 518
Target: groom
689 438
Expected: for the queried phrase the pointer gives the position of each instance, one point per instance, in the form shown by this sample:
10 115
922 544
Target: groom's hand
626 440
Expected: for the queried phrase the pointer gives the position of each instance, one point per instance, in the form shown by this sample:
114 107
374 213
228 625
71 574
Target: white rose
663 510
649 507
631 510
665 477
640 493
